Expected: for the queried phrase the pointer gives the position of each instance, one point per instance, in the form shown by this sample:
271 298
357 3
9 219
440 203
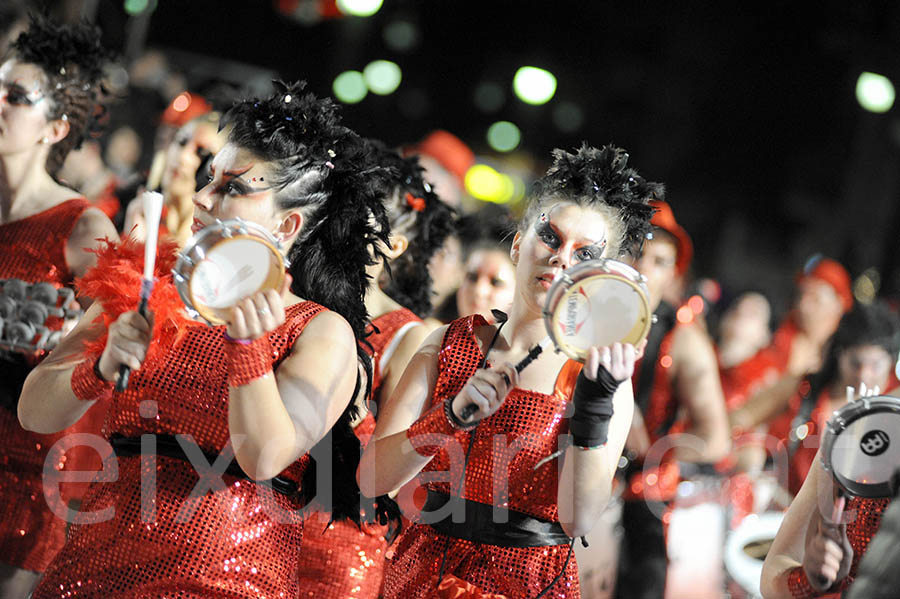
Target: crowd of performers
338 426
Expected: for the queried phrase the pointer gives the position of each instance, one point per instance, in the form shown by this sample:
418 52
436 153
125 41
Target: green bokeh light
349 87
534 85
875 92
503 136
382 76
359 8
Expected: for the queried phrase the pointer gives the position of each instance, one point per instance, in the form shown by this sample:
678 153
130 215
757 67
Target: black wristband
455 422
589 424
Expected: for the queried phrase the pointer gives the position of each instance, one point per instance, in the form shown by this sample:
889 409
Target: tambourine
597 303
224 263
861 445
594 303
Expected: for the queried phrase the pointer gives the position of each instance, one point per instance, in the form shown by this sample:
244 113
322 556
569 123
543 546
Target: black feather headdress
593 175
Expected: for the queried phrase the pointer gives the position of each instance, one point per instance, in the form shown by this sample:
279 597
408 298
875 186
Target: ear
514 249
59 129
290 227
399 243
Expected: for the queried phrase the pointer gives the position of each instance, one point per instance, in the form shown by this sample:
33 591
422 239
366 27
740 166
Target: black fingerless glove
589 424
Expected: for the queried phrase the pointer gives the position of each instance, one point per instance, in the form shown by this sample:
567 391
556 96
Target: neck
524 328
22 176
378 302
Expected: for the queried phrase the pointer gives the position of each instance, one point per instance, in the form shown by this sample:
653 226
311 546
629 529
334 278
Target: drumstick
533 353
152 210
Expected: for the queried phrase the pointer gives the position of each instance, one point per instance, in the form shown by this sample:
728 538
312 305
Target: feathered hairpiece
73 51
290 124
603 175
73 58
423 218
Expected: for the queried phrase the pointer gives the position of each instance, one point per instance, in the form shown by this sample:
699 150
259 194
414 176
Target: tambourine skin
861 446
224 263
598 302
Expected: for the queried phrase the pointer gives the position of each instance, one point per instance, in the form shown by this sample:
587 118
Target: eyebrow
583 242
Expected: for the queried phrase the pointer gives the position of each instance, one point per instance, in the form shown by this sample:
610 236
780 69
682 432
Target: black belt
519 530
168 446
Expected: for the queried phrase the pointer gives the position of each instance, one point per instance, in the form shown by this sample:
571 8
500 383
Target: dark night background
748 114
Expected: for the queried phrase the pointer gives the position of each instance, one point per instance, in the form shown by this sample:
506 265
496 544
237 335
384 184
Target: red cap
831 272
185 108
664 218
450 151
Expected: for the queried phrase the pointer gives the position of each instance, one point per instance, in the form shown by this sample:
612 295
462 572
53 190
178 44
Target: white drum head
232 270
597 303
868 451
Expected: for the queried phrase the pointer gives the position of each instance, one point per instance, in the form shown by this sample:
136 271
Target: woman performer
588 205
186 157
49 90
339 559
267 386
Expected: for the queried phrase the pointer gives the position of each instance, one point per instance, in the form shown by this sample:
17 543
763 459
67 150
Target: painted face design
549 235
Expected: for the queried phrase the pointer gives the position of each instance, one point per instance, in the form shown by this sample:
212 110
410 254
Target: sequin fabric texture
239 540
33 249
339 560
862 529
507 447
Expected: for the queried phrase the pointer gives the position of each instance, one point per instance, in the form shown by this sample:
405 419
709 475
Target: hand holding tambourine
258 314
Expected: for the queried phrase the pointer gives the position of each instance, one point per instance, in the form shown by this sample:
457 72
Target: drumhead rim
569 278
251 230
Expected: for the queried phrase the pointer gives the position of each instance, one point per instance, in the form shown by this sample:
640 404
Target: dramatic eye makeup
234 185
546 232
16 95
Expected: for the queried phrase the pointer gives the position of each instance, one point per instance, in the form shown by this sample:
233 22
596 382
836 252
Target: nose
203 199
562 258
482 288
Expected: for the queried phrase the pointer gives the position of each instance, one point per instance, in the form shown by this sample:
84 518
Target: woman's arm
275 418
390 460
47 403
807 544
585 483
699 389
399 360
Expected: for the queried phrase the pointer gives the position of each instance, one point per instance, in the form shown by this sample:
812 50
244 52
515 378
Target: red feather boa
115 282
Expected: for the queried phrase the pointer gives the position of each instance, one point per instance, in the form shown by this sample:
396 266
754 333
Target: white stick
153 202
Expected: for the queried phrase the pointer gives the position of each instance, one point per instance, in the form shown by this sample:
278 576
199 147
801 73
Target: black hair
417 212
864 324
72 58
596 178
326 171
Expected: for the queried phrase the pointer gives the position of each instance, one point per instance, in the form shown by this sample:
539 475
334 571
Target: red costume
739 383
33 250
530 423
237 540
343 561
659 483
859 532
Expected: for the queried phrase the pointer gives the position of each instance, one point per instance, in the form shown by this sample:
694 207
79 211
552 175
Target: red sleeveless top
33 250
237 540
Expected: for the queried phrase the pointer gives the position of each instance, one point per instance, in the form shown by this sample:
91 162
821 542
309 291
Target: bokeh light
568 117
534 85
382 77
875 92
401 36
349 87
485 183
359 8
503 136
489 96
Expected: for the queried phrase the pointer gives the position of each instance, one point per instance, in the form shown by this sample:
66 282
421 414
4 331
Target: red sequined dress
339 560
33 250
238 540
529 423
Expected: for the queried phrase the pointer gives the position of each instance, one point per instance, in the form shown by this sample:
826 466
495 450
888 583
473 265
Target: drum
224 263
747 546
598 302
861 445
